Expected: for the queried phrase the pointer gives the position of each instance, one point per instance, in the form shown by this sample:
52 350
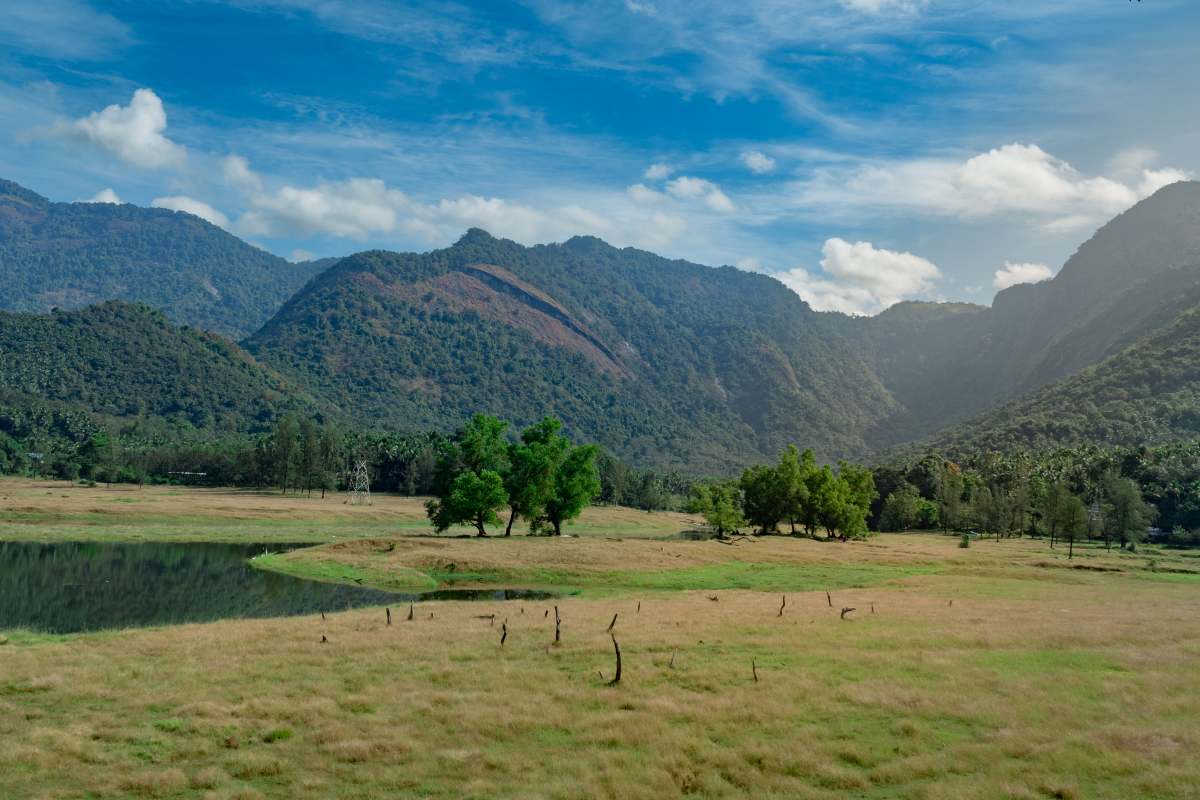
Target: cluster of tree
1013 497
541 477
796 491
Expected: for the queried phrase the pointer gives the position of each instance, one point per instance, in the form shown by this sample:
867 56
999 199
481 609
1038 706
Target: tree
576 483
1073 521
720 503
328 456
792 483
308 455
763 497
473 497
1126 514
949 496
283 448
817 503
1053 502
533 463
902 508
482 446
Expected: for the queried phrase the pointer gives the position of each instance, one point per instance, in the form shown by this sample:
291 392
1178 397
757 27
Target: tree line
797 492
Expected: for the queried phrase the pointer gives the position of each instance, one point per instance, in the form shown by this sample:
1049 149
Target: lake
69 587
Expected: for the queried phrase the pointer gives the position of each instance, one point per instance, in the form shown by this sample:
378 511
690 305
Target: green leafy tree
721 506
764 499
576 483
482 446
792 475
949 490
1126 514
474 498
1054 501
283 449
1073 521
308 454
533 464
902 509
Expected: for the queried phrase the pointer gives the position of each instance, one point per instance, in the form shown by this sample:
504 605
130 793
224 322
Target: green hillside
70 255
665 362
1147 394
125 361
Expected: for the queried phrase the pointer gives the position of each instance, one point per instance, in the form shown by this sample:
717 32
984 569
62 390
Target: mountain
951 362
665 362
70 255
122 360
1148 393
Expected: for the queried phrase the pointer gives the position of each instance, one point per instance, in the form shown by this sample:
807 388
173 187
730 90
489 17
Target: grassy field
997 671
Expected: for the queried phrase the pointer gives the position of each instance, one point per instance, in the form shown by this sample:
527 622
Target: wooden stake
557 624
323 639
671 664
503 631
389 615
410 612
829 599
781 605
611 624
754 670
616 649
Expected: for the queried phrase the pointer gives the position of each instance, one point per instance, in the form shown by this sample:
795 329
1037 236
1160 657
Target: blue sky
864 151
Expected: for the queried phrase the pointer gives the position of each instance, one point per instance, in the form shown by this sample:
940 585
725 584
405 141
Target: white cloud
689 188
656 172
861 279
237 173
133 133
1013 179
300 254
192 206
758 163
641 193
105 196
1012 274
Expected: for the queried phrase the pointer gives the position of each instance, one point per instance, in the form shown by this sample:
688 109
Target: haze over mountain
666 363
69 255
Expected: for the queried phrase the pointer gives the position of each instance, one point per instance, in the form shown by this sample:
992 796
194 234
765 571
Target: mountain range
665 362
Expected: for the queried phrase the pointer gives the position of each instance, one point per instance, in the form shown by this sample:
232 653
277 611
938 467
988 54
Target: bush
965 541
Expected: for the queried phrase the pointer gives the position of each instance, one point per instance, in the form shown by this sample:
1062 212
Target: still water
72 586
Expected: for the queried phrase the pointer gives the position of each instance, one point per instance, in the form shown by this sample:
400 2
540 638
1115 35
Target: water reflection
72 586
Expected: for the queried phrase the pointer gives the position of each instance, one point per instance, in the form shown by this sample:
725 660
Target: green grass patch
1049 661
766 577
324 569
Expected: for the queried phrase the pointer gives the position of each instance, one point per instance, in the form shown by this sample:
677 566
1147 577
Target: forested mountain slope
70 255
1129 279
121 360
665 362
1149 393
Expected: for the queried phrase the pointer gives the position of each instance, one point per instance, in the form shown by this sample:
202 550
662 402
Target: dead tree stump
616 649
846 611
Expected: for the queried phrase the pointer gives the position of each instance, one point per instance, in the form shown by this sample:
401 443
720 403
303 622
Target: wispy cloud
62 29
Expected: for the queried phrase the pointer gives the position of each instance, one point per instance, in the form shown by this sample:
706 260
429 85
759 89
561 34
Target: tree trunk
511 517
479 527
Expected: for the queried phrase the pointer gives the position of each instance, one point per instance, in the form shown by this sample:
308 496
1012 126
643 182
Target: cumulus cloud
1012 274
106 196
860 278
1013 179
689 188
133 133
757 162
237 173
656 172
643 194
192 206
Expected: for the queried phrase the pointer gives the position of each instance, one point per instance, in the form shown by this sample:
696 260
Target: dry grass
46 510
1000 671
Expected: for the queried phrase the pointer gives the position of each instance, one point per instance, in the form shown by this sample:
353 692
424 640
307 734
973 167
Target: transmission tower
360 485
